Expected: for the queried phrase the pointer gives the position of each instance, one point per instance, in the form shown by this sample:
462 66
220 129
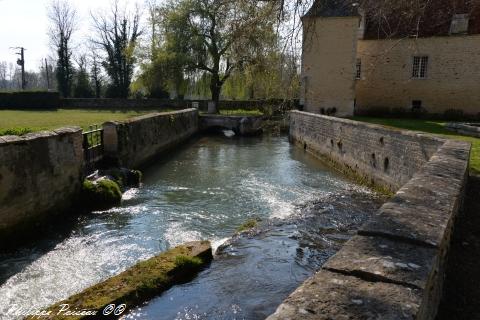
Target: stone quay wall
40 176
137 141
378 155
394 267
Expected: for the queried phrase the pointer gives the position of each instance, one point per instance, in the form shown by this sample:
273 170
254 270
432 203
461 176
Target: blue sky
25 23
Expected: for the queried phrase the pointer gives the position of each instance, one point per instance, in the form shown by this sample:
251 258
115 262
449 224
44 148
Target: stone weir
394 267
241 125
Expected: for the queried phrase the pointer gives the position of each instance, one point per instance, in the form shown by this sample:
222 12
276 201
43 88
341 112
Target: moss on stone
101 194
187 262
247 225
125 178
141 282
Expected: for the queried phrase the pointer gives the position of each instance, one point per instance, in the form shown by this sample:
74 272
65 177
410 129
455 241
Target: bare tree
82 86
63 19
117 35
3 75
96 75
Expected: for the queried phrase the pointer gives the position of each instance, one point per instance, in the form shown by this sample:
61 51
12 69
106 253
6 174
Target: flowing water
204 190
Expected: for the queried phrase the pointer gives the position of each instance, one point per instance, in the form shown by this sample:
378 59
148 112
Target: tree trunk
215 88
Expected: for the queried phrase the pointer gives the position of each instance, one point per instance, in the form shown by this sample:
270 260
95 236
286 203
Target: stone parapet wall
40 176
381 156
394 267
119 104
267 105
137 141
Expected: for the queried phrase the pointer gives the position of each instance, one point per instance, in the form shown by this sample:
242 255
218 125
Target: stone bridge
241 125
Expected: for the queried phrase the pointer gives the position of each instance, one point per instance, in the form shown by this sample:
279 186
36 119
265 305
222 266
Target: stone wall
394 267
269 105
381 156
137 141
40 175
126 104
452 77
328 64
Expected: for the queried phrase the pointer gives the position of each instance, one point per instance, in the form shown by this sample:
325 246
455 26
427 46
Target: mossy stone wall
137 284
40 176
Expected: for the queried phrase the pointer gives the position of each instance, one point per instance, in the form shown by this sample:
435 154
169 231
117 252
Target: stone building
358 58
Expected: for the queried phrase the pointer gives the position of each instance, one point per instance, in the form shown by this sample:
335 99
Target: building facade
349 67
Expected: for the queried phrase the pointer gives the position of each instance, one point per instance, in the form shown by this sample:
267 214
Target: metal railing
92 147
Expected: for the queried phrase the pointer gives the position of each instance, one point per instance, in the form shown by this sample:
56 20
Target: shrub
15 131
29 99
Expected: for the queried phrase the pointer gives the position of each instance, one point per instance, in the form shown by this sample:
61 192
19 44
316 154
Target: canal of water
203 190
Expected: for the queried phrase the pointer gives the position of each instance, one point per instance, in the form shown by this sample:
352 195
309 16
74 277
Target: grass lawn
21 122
430 126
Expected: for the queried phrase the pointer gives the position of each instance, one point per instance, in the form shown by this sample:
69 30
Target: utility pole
21 62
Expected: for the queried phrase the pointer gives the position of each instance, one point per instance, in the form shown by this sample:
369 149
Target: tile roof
400 18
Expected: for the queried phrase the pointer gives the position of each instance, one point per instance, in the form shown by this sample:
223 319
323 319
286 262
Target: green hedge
29 100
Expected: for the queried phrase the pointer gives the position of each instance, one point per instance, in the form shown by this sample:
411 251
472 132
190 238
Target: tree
117 36
3 75
96 75
215 37
83 87
63 19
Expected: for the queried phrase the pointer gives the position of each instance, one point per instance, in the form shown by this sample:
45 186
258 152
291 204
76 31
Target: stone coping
219 116
371 126
10 139
394 267
152 115
469 129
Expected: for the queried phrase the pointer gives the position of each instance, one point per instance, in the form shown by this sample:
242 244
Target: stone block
380 259
333 296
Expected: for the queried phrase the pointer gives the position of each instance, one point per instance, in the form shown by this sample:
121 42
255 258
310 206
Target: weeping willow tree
211 40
